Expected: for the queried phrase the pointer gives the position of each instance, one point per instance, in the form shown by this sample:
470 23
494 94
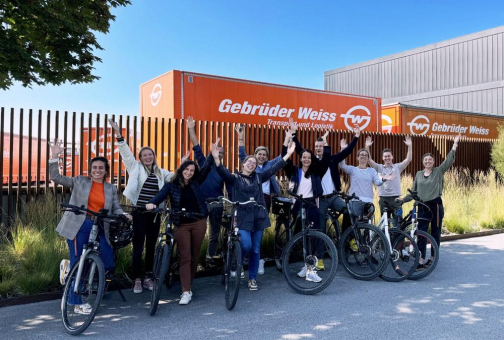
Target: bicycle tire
161 265
403 259
370 259
317 244
93 286
233 271
432 249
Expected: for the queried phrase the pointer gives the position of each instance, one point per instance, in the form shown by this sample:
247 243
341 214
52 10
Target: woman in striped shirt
145 181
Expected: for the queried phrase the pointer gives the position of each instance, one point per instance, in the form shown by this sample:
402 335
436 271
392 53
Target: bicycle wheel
364 251
233 270
282 236
161 265
403 258
430 255
90 291
300 263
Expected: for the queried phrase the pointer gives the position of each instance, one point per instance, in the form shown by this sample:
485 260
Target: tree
51 41
497 153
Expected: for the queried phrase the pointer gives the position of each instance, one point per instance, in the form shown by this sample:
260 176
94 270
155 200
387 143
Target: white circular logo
155 95
388 127
419 125
351 119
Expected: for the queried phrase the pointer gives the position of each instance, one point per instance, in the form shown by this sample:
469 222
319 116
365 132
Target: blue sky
284 42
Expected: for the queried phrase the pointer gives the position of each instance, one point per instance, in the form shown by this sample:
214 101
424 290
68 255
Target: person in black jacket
252 219
331 182
184 192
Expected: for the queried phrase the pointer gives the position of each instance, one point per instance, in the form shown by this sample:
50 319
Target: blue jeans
250 241
106 253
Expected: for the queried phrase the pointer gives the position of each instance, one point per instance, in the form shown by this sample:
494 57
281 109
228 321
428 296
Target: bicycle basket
281 206
120 233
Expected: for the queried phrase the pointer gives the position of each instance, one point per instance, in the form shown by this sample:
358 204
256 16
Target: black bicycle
232 254
85 282
363 248
309 259
281 208
165 254
429 249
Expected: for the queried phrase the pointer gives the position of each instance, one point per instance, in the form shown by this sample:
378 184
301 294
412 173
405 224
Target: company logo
388 127
155 95
419 125
350 118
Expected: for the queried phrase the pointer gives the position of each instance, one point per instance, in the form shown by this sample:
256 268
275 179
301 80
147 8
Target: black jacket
250 217
174 191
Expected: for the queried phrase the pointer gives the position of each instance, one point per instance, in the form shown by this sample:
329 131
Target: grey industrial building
465 73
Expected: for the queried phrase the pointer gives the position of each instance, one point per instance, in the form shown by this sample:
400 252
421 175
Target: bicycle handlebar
222 199
102 214
346 197
179 213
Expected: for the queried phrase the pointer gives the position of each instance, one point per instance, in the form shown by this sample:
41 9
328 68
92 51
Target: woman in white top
145 181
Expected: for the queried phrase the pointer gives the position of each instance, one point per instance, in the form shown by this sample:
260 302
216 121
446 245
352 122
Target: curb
471 235
206 273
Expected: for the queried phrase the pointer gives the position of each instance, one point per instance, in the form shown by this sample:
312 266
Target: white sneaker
64 269
84 309
311 275
303 271
185 298
260 271
242 275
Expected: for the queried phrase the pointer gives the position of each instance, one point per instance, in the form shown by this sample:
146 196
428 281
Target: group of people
316 178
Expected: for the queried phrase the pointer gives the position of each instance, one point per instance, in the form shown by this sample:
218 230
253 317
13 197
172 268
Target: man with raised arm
390 190
331 182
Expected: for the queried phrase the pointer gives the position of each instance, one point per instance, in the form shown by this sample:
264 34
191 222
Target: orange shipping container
179 94
14 158
419 120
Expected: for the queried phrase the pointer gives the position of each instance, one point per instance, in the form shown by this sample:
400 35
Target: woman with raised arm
145 181
428 184
306 180
184 192
95 193
252 220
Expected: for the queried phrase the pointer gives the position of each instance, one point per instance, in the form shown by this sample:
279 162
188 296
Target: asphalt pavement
462 299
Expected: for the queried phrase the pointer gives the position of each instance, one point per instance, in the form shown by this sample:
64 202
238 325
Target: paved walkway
462 299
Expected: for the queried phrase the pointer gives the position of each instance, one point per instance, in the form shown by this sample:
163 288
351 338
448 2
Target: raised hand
56 148
457 138
214 150
343 143
190 122
407 141
186 157
239 128
115 127
356 130
369 141
291 149
324 137
293 125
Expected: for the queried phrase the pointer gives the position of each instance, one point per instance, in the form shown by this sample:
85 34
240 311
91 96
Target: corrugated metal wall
465 73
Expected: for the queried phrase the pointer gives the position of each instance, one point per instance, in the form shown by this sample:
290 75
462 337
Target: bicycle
164 253
303 251
85 281
424 240
404 254
232 254
281 207
362 247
